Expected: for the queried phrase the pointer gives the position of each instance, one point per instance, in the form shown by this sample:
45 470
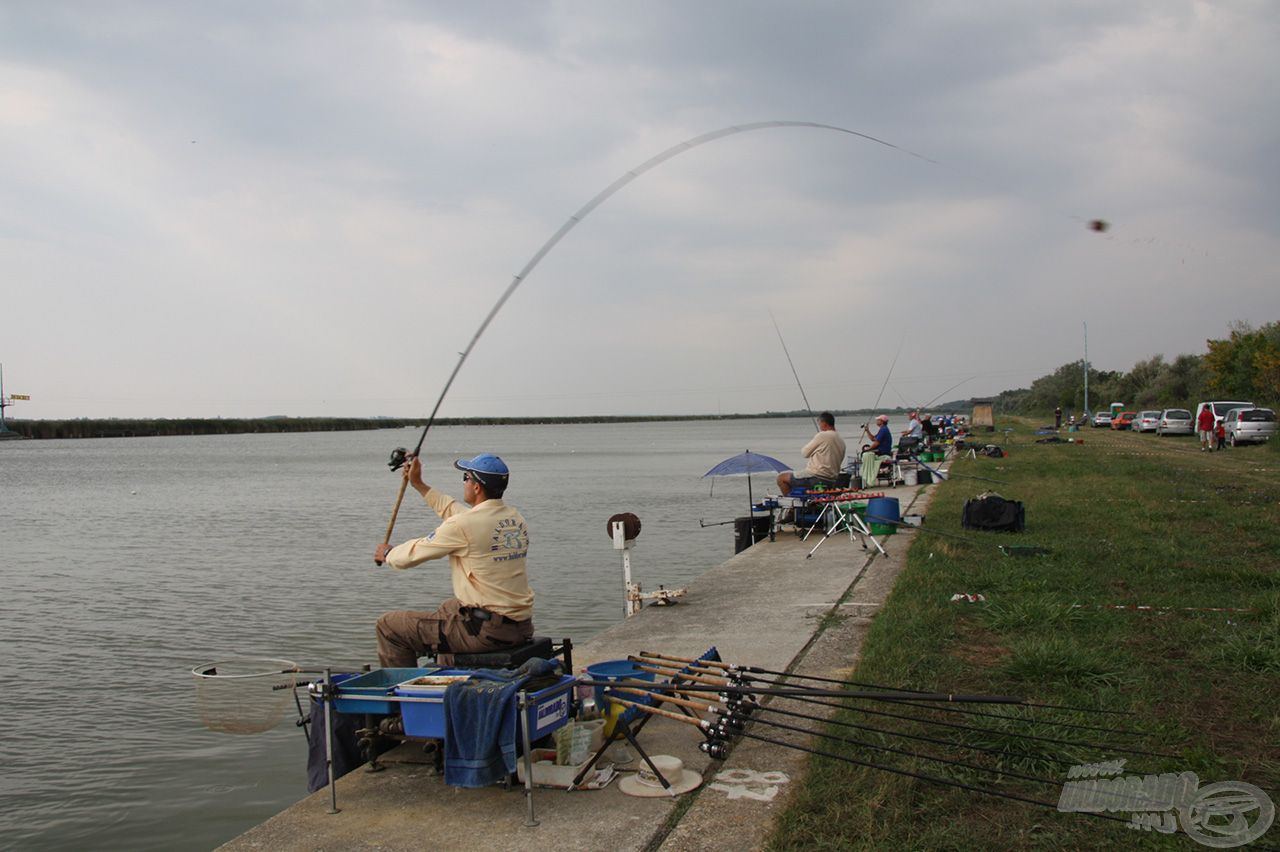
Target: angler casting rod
803 395
586 209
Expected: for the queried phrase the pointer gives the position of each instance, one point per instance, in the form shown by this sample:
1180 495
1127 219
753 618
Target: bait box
375 683
548 708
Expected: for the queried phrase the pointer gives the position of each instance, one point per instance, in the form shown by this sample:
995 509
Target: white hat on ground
647 785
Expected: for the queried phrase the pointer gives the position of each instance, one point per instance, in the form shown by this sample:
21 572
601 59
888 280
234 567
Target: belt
484 615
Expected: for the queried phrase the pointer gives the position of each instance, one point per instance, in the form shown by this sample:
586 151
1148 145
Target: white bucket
908 477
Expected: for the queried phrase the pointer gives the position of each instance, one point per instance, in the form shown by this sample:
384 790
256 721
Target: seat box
378 682
548 708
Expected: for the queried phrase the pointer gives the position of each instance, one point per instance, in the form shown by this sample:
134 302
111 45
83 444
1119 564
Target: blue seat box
548 708
375 683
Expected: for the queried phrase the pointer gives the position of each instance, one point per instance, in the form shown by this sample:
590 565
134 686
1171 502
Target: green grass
1126 519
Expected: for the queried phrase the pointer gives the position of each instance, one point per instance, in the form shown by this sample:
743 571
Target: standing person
492 604
1220 435
825 454
881 446
1057 417
1204 425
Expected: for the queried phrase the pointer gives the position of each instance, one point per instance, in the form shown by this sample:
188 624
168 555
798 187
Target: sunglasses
466 477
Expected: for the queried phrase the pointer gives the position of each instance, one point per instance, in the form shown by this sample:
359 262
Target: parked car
1101 420
1249 425
1123 420
1220 409
1175 421
1146 421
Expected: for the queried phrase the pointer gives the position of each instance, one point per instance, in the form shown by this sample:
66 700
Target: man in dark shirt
880 447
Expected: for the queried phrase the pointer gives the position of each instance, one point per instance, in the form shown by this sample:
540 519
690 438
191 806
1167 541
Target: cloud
283 209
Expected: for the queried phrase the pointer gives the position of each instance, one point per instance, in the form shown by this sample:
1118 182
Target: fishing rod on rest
801 696
803 395
717 748
967 712
733 667
736 721
933 779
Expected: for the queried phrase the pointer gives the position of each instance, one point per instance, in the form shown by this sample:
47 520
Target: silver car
1146 421
1249 425
1175 421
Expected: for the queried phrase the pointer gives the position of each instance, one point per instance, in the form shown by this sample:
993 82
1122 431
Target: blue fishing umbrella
745 464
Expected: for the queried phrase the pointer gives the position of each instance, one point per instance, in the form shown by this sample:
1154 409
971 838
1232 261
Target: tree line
1245 365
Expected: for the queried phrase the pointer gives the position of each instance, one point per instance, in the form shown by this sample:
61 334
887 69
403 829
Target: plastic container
881 529
909 477
425 718
614 670
375 683
883 510
548 708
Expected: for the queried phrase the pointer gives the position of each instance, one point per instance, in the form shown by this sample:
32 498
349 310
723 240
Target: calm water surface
127 562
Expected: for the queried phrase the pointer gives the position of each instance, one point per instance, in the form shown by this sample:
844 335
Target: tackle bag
992 512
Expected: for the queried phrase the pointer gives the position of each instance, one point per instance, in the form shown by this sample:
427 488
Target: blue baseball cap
489 470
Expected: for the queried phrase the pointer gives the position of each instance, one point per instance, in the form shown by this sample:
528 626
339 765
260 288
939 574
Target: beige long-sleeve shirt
825 454
486 546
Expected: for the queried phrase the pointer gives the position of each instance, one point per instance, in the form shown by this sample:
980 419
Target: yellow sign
19 396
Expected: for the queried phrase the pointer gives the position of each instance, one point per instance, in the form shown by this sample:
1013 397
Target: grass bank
1127 520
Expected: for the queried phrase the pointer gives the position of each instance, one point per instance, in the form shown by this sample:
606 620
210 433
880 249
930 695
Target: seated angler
880 448
825 454
492 606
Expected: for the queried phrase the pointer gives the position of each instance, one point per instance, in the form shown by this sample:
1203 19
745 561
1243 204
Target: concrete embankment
769 606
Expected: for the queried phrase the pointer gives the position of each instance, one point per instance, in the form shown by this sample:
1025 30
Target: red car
1123 420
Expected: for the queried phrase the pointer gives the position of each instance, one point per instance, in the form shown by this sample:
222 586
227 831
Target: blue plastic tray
375 683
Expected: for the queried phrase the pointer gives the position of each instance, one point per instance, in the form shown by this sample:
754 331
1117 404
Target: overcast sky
263 208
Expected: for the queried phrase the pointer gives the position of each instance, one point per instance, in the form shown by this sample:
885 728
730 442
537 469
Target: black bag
994 513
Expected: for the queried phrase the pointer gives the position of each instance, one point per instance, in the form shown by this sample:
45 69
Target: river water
126 562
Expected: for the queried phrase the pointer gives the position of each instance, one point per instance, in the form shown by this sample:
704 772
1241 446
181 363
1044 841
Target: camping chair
888 471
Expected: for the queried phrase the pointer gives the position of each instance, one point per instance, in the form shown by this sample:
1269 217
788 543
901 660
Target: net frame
244 695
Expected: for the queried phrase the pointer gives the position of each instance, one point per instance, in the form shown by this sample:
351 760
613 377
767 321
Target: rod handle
391 524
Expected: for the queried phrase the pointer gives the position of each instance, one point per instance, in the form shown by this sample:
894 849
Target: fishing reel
715 749
398 457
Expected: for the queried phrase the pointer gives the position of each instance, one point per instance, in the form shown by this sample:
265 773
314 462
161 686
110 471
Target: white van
1220 410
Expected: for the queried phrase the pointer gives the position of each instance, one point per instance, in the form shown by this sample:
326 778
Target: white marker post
630 590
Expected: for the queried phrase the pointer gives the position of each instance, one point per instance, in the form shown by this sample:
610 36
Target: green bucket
881 529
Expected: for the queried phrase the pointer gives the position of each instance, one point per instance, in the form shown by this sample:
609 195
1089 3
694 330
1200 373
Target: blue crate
425 718
548 708
375 683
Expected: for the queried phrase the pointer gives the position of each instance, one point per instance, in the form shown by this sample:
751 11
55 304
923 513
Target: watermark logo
1221 815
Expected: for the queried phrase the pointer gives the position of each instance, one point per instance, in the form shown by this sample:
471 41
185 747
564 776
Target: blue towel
480 723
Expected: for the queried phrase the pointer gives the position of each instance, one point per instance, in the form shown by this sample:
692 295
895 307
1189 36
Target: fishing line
583 212
887 376
803 395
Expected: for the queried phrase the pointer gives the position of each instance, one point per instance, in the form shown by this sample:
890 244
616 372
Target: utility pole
1086 366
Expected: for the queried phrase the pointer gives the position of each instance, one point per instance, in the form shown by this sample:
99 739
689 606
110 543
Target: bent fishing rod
399 456
807 407
887 376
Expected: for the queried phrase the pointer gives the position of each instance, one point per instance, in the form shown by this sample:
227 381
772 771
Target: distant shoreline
163 427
